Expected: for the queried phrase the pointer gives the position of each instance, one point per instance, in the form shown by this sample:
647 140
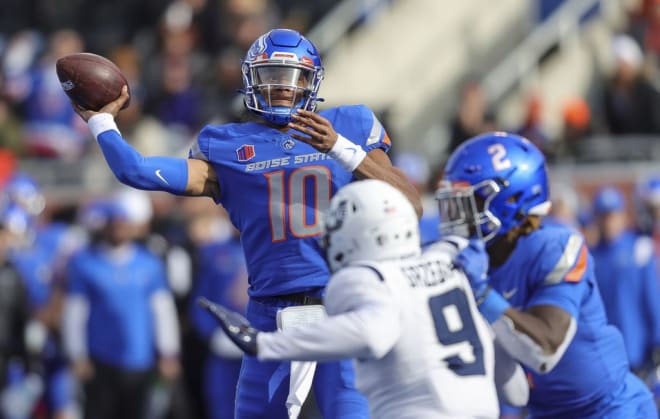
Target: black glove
235 326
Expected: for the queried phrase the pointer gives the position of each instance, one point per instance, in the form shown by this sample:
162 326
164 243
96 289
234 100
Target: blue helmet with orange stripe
282 72
491 183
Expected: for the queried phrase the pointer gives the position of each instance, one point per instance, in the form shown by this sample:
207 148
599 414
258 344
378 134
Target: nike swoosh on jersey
161 177
510 293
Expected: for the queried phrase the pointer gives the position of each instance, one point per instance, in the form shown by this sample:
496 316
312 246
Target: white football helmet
369 220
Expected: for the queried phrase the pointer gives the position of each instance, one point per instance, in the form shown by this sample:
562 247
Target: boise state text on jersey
278 213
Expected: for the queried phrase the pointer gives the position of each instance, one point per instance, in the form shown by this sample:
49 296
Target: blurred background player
21 378
626 269
291 160
222 278
119 318
40 256
542 295
647 208
409 320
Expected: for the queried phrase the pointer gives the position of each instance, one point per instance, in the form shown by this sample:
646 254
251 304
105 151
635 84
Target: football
90 80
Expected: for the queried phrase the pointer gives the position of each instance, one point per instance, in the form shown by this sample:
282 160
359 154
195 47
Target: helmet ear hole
514 199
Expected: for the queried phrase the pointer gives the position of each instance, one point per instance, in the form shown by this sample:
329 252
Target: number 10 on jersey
298 197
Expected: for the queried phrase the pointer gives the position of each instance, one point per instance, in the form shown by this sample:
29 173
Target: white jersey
421 348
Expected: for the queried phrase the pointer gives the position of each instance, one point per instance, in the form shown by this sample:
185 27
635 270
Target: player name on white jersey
427 273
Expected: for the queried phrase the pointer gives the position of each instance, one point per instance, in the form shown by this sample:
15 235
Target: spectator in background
645 25
39 259
11 127
472 117
632 105
627 278
532 127
18 392
565 204
647 209
174 97
51 129
222 278
576 118
119 317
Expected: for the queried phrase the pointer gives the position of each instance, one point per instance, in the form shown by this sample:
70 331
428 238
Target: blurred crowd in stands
182 59
67 336
622 102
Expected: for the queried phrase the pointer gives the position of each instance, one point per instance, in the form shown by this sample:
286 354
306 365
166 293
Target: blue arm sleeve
169 174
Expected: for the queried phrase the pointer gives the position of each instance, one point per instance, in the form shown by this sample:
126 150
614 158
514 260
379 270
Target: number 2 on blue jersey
289 199
454 327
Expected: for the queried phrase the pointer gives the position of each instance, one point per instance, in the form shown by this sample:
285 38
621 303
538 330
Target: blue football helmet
23 191
490 184
98 214
282 72
16 221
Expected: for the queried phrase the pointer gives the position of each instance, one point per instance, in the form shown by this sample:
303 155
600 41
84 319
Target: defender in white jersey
421 348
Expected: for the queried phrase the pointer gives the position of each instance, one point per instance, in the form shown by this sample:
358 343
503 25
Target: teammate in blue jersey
541 295
37 256
627 277
274 175
221 278
119 320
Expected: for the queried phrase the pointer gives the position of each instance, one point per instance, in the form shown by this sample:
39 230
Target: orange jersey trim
575 274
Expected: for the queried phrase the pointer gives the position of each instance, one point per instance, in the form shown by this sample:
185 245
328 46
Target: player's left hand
473 261
236 327
319 131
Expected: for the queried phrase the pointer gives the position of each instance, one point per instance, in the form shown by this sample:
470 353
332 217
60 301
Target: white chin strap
541 209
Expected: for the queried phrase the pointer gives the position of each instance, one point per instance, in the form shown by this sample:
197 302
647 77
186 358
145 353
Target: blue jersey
275 188
221 270
120 329
626 272
552 266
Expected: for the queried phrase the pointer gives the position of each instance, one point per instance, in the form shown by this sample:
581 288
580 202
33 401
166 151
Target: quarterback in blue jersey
274 176
541 295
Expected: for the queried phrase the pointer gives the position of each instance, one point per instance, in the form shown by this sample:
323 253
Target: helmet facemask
464 209
276 88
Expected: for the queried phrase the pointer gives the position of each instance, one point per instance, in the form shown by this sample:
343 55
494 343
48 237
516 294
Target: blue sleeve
565 295
374 135
560 271
169 174
359 124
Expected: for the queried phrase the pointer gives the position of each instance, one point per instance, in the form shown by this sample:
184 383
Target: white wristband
100 123
348 154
